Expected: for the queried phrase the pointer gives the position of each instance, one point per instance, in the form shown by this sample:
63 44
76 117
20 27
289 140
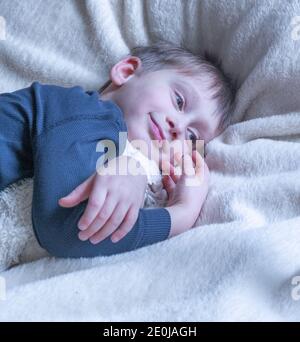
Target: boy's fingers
101 218
79 194
111 225
175 177
165 167
179 160
168 169
198 160
74 198
96 200
178 157
188 165
169 184
127 224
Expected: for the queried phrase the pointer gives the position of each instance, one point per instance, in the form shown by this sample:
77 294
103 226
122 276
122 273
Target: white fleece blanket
242 260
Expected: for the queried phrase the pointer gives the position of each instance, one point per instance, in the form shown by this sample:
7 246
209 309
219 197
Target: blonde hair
206 67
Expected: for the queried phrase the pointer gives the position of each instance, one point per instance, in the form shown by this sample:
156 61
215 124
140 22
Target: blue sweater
50 133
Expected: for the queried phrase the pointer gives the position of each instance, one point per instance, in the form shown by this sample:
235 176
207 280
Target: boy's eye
192 137
180 106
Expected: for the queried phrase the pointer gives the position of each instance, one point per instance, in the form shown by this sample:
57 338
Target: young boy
51 133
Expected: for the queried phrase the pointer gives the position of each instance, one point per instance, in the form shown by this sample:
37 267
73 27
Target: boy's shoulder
73 96
61 102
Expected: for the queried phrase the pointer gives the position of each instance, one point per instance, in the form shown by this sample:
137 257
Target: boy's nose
175 129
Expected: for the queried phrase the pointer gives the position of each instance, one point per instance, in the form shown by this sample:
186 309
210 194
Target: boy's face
161 104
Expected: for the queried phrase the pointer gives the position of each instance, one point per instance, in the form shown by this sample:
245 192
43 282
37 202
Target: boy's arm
15 140
51 133
64 159
64 156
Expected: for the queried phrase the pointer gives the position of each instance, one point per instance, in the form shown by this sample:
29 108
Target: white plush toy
155 195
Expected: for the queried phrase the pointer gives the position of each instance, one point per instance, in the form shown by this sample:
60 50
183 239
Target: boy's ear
125 69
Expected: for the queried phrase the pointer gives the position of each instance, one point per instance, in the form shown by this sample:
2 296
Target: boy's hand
186 192
113 205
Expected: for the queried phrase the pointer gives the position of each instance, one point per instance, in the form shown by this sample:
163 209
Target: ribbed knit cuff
156 223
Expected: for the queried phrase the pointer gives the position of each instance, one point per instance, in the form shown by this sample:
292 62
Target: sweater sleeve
65 154
15 144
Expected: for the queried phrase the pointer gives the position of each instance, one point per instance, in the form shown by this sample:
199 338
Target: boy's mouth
156 129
